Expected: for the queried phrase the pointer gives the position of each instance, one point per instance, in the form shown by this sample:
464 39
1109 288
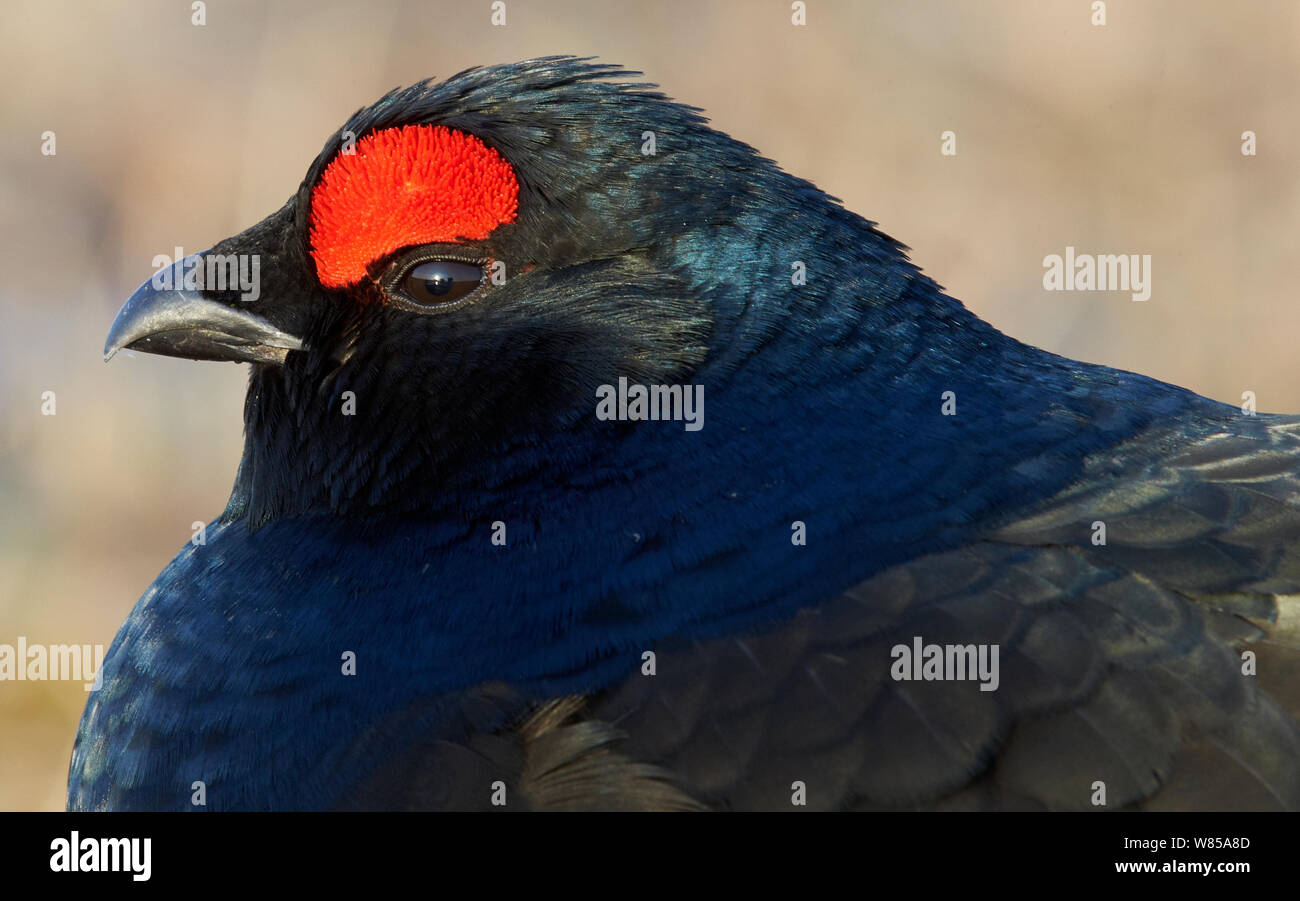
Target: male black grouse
870 552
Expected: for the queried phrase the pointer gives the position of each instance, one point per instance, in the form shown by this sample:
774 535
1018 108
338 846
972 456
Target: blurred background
1124 138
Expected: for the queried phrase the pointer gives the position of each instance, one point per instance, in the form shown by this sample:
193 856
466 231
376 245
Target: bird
874 554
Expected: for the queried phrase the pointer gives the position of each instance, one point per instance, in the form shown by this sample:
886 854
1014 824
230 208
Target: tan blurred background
1116 139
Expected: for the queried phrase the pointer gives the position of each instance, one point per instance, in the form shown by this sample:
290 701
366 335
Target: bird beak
164 317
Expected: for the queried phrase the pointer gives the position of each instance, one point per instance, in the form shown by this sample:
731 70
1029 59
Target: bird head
467 261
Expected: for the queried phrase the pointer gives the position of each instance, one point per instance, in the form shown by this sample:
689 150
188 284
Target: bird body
471 581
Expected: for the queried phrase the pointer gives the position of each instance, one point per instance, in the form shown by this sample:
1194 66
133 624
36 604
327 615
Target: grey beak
176 322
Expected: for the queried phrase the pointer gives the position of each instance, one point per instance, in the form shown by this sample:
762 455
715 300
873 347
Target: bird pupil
439 283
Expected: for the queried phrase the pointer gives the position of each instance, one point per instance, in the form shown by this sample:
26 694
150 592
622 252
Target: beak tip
114 342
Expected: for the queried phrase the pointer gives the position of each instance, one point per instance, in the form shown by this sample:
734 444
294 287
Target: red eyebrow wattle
417 184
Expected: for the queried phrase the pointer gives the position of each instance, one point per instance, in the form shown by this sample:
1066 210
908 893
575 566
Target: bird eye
440 281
